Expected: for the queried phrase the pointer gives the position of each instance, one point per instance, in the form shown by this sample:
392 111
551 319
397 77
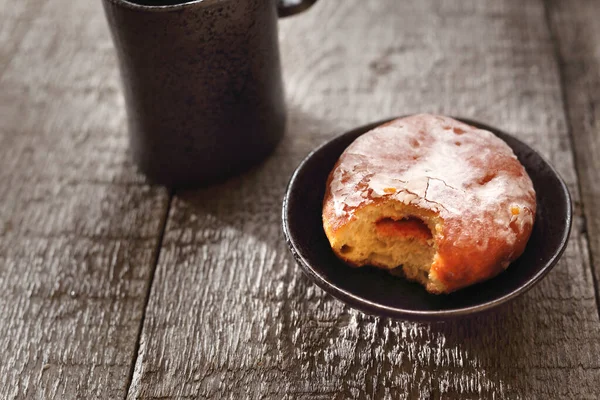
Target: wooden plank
230 316
16 17
79 229
577 36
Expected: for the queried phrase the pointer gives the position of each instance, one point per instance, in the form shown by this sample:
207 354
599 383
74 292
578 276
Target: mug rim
165 7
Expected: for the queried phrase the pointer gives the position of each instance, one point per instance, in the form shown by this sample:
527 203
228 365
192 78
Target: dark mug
202 83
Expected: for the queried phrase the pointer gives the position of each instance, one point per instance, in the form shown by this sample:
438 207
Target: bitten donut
445 203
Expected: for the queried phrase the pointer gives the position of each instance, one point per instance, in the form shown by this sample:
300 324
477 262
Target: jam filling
410 227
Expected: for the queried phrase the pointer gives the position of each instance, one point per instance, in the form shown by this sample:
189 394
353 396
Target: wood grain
79 228
230 316
577 35
16 18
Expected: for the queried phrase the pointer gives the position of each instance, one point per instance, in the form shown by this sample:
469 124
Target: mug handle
286 8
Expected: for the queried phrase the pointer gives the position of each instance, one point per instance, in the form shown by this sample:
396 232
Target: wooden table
111 288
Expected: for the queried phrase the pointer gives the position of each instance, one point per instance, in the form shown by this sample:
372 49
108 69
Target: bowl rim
378 309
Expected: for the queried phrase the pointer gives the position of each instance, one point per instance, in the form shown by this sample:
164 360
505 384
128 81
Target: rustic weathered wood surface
79 229
577 37
228 313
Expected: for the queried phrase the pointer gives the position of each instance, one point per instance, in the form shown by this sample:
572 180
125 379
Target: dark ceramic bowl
377 292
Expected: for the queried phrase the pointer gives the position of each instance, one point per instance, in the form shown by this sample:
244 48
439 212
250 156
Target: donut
443 203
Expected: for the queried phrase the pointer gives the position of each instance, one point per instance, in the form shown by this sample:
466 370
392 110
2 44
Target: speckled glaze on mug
202 84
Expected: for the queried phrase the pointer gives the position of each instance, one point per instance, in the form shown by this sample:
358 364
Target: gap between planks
564 101
159 243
